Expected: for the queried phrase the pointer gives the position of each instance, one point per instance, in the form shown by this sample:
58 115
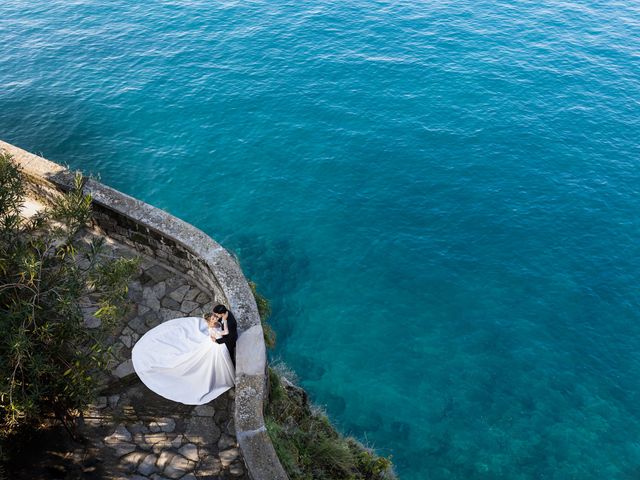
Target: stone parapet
156 233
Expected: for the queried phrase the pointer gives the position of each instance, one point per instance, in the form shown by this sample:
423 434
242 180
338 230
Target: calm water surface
441 199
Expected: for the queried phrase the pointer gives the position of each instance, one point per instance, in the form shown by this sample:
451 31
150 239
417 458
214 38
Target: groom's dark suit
230 339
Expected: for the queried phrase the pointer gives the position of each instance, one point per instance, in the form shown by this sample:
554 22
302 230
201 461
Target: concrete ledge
254 358
155 232
250 397
261 455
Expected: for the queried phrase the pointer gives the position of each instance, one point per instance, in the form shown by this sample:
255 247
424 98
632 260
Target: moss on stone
264 310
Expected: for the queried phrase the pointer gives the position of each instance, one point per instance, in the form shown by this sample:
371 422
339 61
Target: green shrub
368 462
287 452
48 359
332 456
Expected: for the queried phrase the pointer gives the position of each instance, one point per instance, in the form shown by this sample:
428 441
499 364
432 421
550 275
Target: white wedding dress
179 360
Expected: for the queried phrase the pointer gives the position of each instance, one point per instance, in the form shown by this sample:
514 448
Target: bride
181 360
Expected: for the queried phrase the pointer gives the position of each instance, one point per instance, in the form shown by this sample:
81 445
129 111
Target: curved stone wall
157 233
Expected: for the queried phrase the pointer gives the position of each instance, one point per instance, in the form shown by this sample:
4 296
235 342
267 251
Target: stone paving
138 434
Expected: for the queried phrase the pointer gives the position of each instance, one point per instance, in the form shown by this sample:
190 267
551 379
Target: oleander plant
50 362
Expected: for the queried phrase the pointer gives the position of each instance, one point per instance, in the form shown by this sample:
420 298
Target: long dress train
179 360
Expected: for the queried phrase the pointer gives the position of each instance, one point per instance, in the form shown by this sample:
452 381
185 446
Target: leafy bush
49 360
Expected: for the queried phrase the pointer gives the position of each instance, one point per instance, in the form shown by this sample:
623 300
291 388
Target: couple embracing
189 360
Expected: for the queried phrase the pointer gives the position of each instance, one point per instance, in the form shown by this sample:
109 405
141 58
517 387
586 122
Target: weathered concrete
157 234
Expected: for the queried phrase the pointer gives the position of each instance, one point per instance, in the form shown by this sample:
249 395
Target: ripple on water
440 199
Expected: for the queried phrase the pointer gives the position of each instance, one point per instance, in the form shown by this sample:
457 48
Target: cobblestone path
138 434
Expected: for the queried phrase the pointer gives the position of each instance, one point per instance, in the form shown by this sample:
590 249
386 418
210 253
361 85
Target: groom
227 319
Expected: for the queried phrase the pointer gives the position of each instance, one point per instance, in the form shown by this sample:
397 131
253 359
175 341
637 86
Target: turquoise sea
441 199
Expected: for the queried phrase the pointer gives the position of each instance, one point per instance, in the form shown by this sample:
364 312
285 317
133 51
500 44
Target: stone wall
156 233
